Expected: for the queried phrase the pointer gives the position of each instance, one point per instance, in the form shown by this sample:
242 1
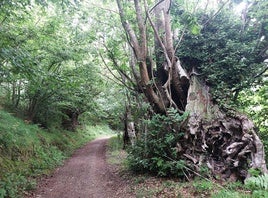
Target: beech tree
222 139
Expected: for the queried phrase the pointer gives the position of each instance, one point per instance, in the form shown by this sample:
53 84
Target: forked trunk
225 142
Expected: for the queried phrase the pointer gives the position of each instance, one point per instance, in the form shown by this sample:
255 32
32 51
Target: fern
260 182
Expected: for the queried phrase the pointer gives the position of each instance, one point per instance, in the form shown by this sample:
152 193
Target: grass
116 156
28 152
143 185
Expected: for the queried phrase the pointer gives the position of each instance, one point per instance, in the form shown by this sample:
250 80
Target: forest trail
85 175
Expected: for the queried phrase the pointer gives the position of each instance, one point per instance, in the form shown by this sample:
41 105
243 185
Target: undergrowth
155 151
28 152
147 185
116 155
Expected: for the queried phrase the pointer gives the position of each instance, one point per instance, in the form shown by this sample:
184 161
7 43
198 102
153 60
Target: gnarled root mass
227 144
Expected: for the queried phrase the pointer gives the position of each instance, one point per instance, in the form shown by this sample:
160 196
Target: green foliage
27 151
45 66
12 185
254 102
230 194
226 53
254 172
183 16
155 151
115 143
237 189
260 193
111 106
234 185
116 155
257 183
203 185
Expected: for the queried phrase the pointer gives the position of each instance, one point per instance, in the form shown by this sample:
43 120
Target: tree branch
160 41
121 81
262 72
216 13
112 57
133 38
142 30
181 37
156 5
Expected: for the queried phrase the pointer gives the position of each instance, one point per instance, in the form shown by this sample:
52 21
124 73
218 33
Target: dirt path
85 175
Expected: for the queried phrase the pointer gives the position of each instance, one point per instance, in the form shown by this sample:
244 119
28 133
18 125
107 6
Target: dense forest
184 82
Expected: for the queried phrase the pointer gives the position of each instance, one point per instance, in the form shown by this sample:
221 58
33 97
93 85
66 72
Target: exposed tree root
227 144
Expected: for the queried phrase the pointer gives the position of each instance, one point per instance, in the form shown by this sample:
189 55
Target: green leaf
195 29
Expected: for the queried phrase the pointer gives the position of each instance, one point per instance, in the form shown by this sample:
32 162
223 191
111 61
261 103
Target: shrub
155 151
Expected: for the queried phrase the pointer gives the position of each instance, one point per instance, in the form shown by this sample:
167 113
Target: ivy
226 55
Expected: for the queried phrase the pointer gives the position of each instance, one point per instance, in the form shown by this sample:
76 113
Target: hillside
27 152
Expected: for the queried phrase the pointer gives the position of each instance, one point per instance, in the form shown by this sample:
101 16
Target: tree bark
139 46
224 142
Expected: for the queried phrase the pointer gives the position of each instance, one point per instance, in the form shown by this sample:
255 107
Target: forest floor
96 171
85 175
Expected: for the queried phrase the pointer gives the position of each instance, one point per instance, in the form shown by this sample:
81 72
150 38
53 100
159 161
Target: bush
155 151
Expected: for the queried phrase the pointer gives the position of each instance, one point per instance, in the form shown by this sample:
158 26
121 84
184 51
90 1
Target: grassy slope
27 152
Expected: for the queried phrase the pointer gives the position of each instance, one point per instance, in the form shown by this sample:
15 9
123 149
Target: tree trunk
126 138
32 108
16 89
70 122
225 142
